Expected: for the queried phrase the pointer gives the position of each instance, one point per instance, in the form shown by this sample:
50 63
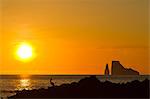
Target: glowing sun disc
24 51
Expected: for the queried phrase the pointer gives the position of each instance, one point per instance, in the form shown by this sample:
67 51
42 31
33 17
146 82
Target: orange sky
74 36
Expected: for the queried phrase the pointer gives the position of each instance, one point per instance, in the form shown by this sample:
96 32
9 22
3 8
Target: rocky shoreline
90 87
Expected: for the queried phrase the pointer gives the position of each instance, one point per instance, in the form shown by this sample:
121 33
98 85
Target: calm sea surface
8 84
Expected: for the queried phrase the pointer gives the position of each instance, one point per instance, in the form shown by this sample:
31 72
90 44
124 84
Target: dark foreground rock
90 87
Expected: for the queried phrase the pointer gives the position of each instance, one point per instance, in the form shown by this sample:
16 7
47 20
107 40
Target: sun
24 51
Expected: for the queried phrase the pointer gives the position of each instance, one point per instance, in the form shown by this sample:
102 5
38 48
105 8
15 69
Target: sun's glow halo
24 51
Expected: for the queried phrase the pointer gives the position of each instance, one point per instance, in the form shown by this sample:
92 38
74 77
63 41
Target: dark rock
118 69
106 70
90 87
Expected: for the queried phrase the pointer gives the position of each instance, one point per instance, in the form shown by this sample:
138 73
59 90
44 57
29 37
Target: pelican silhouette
52 83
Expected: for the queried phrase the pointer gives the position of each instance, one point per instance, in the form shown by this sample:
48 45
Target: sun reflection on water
24 84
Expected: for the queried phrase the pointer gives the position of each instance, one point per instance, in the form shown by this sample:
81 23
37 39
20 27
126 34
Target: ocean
11 83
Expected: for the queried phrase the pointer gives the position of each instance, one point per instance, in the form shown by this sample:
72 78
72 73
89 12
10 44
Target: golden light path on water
24 83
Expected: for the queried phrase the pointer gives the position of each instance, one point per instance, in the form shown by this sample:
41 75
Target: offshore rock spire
106 70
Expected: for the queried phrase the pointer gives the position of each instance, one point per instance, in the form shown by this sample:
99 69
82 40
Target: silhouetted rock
118 69
90 87
106 70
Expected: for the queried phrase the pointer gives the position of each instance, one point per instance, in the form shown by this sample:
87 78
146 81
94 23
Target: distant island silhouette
118 69
90 87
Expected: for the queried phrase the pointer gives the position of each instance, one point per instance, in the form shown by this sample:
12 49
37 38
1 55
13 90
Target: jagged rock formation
118 69
106 70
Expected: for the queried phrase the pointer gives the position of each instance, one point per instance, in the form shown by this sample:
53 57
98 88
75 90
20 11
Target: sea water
11 83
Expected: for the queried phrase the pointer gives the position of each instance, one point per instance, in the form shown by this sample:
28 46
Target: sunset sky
74 36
